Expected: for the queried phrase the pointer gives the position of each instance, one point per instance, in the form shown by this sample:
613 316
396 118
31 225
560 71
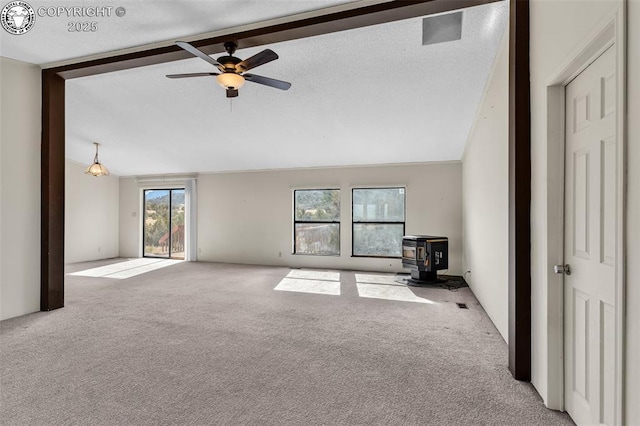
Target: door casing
610 32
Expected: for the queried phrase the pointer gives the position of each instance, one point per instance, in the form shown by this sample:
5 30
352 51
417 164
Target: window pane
318 238
377 239
322 205
156 222
177 224
378 205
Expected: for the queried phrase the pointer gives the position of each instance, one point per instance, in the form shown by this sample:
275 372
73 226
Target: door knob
562 269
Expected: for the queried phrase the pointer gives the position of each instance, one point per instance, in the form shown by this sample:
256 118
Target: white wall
130 241
247 217
238 208
557 28
485 197
20 122
91 214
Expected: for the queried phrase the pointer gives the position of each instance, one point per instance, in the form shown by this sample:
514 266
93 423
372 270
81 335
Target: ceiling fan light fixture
231 68
97 169
230 80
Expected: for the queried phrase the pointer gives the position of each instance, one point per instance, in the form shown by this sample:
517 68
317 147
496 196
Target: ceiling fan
231 76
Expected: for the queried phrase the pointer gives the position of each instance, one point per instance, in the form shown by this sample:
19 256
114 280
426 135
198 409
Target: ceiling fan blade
232 93
193 74
200 54
271 82
256 60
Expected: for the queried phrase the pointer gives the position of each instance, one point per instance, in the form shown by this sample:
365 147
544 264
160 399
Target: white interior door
591 201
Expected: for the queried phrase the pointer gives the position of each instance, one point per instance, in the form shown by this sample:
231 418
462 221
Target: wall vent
442 28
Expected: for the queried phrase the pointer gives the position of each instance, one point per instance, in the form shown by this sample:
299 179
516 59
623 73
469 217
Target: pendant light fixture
97 169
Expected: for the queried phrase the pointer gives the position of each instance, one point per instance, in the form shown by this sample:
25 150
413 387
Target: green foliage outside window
378 221
317 221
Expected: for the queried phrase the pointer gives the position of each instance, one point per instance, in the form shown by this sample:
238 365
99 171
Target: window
317 222
378 221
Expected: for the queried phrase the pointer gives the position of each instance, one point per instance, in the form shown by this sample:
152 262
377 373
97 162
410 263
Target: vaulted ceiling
374 95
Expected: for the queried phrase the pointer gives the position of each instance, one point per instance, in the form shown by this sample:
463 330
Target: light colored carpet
127 269
214 344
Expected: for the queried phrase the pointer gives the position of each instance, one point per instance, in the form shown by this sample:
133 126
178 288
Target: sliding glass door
164 223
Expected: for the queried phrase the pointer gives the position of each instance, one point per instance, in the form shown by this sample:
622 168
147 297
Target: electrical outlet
279 254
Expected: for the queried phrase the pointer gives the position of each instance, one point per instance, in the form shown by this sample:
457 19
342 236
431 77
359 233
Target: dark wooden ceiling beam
52 193
293 30
519 192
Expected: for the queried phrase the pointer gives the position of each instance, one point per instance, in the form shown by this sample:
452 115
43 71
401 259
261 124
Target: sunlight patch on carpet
128 269
389 292
377 279
314 275
331 288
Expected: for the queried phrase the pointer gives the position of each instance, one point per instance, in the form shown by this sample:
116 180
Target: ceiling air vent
442 28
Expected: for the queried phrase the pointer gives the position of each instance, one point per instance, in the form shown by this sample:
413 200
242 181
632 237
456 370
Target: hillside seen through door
164 223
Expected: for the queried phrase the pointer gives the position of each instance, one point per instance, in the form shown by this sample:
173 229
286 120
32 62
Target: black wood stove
425 255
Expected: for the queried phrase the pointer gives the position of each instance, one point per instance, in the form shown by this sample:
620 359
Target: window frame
377 222
296 222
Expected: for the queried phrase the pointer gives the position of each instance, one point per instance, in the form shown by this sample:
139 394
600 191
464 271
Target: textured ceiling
143 22
373 95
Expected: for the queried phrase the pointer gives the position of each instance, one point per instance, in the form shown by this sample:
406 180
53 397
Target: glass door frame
170 223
